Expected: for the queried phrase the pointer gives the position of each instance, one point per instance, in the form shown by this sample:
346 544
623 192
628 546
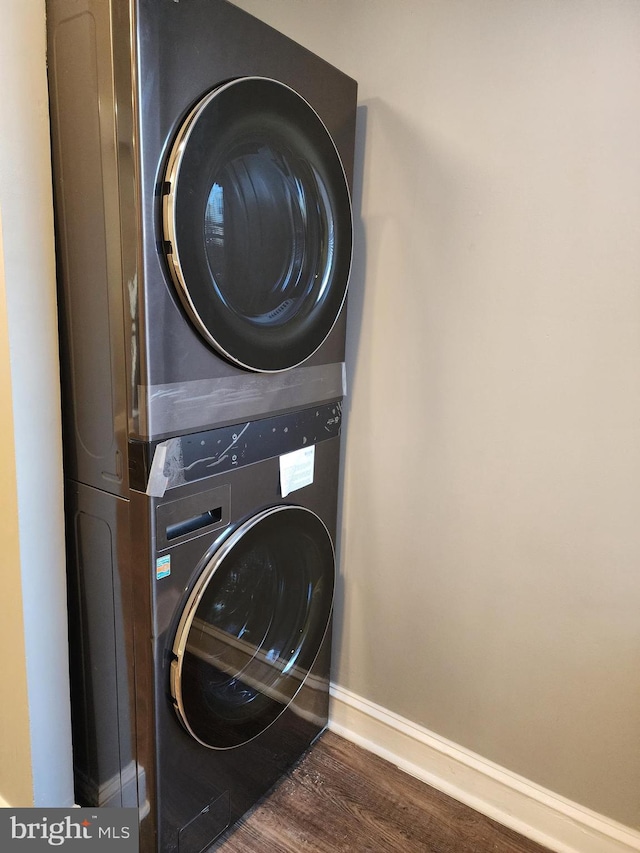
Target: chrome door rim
169 216
195 597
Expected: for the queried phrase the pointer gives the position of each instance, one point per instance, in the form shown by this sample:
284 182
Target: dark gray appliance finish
139 565
125 76
100 601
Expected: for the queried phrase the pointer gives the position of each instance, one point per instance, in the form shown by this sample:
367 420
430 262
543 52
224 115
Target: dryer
202 170
201 629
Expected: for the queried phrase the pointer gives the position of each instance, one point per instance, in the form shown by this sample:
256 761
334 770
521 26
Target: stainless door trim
171 178
201 585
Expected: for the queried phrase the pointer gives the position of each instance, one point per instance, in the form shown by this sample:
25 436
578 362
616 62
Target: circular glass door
257 224
252 626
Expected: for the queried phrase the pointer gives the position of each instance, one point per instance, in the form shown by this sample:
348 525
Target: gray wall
491 538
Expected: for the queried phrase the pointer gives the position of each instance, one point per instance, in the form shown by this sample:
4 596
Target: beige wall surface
490 549
34 574
16 783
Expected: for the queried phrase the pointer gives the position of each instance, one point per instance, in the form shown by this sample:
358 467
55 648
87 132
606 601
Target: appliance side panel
101 648
85 165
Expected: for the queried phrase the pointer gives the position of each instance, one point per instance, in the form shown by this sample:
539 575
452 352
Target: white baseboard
503 796
123 788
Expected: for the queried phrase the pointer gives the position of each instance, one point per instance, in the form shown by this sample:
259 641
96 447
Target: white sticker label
163 566
296 469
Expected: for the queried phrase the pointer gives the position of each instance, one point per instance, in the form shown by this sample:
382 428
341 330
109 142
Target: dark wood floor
341 799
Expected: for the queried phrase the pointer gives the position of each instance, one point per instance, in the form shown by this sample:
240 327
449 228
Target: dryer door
252 626
257 224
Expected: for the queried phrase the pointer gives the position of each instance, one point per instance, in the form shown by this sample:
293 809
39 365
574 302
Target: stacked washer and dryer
202 165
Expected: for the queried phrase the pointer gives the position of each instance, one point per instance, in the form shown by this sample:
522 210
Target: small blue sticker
163 566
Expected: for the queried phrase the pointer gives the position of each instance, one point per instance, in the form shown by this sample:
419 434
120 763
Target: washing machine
202 171
201 628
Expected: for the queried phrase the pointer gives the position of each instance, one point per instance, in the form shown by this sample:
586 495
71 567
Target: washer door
257 224
252 626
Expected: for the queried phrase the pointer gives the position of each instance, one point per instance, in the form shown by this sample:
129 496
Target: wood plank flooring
341 799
